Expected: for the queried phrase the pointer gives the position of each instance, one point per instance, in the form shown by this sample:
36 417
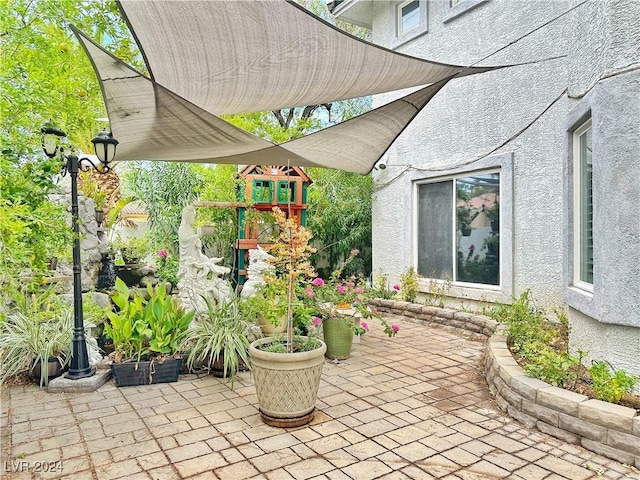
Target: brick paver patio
412 407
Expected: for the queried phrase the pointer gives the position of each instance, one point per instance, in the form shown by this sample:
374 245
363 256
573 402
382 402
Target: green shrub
611 388
381 288
409 285
539 343
559 369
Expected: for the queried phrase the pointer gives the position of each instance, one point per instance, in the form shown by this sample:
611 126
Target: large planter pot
338 335
130 373
286 383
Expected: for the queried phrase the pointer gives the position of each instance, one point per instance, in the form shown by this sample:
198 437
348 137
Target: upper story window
458 229
583 206
454 8
410 17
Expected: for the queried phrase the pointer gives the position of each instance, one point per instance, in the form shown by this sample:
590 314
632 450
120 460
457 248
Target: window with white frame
458 228
408 16
454 8
583 206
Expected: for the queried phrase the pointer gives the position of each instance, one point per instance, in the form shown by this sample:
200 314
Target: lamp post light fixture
105 146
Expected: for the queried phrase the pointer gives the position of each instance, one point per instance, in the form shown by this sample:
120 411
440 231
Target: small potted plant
219 340
91 189
340 307
269 306
36 329
463 220
147 335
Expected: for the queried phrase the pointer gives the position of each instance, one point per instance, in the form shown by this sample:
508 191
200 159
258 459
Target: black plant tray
128 374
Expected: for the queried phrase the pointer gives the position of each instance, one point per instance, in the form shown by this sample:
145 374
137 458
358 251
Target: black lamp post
105 146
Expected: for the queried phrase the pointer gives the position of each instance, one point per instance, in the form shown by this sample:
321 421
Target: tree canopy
45 76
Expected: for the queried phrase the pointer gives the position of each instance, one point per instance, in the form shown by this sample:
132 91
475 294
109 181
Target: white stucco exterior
578 60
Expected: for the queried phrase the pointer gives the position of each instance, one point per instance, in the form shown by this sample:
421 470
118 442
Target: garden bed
605 428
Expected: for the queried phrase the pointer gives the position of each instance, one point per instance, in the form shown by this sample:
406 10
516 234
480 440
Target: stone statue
199 275
258 264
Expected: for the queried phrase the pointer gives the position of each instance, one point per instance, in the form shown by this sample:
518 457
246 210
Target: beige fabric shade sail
208 58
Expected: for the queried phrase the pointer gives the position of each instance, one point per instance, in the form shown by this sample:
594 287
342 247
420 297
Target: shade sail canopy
231 56
212 57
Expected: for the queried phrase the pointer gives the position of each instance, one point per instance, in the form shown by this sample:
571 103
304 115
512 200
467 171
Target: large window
583 206
459 229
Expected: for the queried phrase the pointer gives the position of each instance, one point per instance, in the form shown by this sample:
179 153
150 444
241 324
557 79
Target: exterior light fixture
105 145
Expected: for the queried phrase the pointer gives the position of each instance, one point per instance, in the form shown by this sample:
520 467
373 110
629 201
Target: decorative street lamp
105 146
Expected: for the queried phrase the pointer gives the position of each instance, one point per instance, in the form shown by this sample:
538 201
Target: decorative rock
148 280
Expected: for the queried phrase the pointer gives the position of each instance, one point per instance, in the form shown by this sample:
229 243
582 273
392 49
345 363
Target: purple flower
163 253
395 328
365 325
396 287
316 321
318 282
341 289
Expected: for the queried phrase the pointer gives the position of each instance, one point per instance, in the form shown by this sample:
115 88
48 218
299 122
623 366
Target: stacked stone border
605 428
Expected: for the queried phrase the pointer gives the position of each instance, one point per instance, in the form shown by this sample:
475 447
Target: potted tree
147 335
219 340
287 368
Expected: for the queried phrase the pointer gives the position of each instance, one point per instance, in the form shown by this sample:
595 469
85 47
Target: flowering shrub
167 267
336 294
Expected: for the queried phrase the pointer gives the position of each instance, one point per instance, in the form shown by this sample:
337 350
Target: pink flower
341 289
309 293
395 328
350 284
354 252
316 321
374 309
163 253
396 287
318 282
365 325
358 290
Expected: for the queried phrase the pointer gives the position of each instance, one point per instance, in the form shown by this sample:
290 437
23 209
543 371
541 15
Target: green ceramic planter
338 335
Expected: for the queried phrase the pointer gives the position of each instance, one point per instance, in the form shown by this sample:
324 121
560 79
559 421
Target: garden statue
199 275
258 264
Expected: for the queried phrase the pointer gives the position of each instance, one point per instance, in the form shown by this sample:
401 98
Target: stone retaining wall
605 428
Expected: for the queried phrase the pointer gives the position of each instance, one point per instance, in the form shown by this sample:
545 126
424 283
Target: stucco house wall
575 60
